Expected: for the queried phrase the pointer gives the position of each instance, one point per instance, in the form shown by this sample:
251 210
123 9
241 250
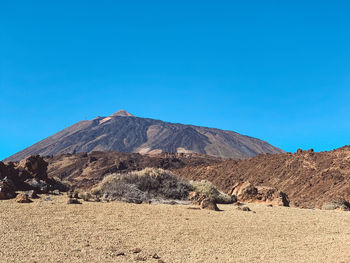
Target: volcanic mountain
124 132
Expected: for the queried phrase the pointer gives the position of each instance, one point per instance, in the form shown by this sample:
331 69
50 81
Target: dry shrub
337 205
208 189
86 196
138 186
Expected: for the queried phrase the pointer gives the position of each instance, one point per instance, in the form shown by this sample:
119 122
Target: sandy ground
52 231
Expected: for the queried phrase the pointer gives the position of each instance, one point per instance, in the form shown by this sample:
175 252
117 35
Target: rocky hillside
308 178
124 132
84 170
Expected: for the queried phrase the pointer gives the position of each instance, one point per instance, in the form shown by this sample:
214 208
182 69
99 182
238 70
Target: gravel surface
52 231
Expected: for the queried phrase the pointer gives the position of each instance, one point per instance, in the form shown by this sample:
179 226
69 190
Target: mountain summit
122 113
124 132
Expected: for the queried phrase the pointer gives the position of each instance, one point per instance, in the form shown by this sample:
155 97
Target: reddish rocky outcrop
29 174
246 192
308 178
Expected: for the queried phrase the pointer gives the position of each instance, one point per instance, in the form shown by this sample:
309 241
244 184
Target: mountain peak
123 113
124 133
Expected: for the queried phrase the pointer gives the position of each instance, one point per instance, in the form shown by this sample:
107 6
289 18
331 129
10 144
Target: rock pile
28 175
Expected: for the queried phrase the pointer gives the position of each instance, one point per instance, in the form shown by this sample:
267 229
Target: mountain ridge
125 132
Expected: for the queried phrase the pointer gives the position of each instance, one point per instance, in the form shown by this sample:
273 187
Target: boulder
23 198
244 191
247 192
36 167
209 204
7 189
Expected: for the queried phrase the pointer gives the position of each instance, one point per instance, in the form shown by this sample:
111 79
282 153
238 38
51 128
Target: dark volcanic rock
7 189
126 133
27 175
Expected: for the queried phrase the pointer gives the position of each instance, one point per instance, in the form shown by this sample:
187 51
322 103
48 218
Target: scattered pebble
155 256
245 208
136 250
139 258
193 208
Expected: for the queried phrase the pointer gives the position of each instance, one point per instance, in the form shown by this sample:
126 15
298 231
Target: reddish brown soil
308 178
84 170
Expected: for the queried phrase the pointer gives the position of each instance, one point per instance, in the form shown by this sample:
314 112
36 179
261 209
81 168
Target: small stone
139 258
48 198
73 201
23 198
155 256
136 250
56 192
245 208
120 254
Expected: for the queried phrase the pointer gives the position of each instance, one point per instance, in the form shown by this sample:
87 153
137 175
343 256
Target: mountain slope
124 132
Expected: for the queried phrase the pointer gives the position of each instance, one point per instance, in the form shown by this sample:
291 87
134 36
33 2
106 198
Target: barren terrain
309 179
52 231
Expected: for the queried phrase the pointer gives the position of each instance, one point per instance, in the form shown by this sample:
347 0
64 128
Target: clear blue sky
276 70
